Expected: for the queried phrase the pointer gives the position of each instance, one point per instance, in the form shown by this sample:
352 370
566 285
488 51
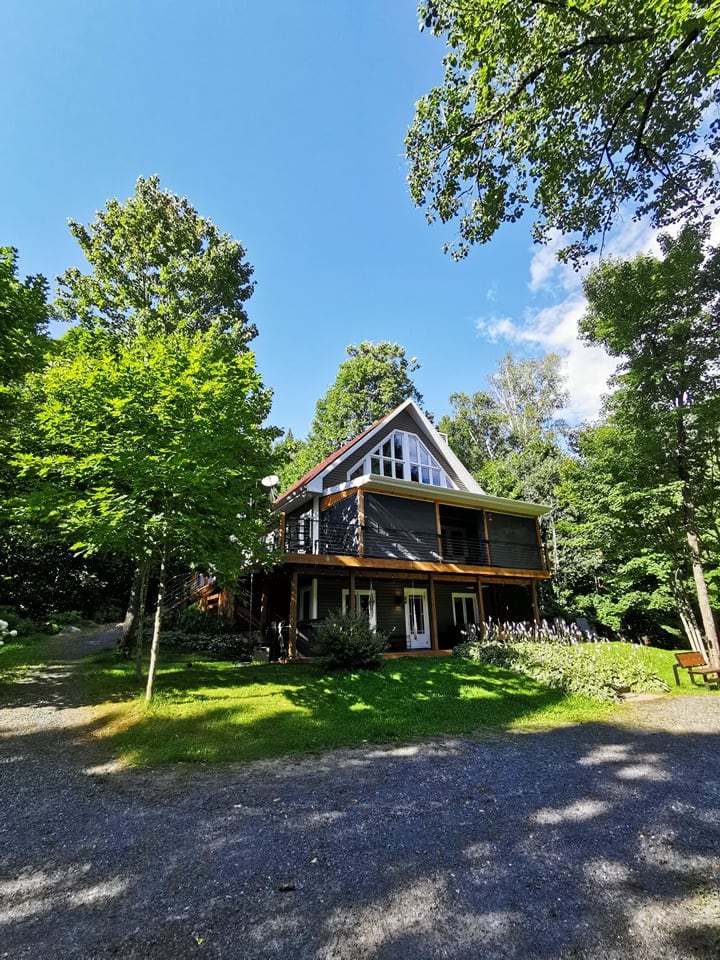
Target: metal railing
312 536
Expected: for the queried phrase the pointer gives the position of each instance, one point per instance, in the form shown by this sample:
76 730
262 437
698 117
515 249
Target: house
392 524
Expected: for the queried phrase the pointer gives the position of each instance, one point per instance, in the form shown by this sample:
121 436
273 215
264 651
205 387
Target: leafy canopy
575 108
374 380
23 319
156 447
157 267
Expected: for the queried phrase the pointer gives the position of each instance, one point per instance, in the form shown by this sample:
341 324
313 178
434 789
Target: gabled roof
312 481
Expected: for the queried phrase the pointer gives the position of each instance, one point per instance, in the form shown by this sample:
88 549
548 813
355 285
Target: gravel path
599 841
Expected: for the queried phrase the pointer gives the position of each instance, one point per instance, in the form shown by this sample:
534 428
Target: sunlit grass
208 710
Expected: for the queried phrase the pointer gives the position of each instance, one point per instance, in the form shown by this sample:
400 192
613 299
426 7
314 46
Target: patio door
417 625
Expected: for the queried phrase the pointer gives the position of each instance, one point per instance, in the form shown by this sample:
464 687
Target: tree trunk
693 541
140 626
156 630
132 615
688 618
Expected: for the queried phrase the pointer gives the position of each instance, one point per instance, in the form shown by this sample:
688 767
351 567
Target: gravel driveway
597 841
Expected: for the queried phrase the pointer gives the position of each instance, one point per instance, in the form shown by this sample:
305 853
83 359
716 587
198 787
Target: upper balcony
452 544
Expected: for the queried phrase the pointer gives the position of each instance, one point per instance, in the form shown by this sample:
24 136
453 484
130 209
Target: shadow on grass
218 712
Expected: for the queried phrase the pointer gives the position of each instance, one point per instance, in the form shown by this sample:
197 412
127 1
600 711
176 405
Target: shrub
228 646
15 621
191 620
590 669
346 641
6 633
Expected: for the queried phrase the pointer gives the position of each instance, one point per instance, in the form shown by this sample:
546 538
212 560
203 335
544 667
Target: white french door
417 625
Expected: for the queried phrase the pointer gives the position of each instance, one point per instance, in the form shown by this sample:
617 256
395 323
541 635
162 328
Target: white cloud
554 329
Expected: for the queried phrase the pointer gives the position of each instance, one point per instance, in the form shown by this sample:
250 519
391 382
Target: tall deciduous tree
661 318
23 320
157 268
374 380
575 108
154 450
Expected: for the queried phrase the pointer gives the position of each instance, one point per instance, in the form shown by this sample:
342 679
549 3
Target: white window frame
372 604
311 589
365 465
465 595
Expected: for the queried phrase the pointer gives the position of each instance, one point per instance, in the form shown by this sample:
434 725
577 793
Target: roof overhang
423 491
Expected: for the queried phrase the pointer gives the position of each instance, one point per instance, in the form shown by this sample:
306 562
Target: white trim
372 604
314 599
408 462
417 641
465 595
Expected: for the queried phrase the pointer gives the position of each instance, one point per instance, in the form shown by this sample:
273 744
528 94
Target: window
465 609
402 456
307 601
364 603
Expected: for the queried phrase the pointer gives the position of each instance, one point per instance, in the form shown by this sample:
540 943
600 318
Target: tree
154 451
23 320
157 267
661 318
579 109
370 383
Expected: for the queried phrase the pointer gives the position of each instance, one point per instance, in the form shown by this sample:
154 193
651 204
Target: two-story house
392 524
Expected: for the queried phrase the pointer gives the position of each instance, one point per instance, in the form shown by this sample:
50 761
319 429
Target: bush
191 620
346 641
590 669
228 646
15 621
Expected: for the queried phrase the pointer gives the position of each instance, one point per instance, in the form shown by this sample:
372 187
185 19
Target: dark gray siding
513 542
403 421
400 529
389 603
339 528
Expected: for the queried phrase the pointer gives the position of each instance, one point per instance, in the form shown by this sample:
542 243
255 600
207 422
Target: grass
208 710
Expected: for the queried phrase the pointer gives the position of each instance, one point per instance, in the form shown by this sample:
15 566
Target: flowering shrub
591 669
543 632
5 632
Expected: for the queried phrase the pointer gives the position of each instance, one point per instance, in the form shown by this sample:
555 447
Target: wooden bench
696 666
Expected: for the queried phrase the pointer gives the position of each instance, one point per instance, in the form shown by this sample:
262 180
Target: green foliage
158 268
369 384
346 641
589 669
192 620
22 626
577 110
158 445
23 319
645 493
235 646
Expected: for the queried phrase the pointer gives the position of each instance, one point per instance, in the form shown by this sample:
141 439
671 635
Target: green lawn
208 710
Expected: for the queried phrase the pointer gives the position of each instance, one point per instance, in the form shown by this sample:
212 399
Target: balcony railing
319 537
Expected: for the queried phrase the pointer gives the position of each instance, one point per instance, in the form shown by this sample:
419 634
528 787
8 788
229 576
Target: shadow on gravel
596 841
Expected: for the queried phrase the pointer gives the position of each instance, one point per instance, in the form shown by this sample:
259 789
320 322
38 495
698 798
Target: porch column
543 555
282 533
361 521
292 634
487 538
434 640
481 605
438 530
536 608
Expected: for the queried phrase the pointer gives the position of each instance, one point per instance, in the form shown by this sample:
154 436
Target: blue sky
283 123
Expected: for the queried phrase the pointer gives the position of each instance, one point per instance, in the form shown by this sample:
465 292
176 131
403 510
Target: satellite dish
271 481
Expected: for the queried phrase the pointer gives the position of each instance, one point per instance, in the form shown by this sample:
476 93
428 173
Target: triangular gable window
402 456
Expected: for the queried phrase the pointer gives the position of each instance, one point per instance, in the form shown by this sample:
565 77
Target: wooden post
292 634
282 533
434 639
351 595
487 538
536 608
481 606
361 522
543 555
438 530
